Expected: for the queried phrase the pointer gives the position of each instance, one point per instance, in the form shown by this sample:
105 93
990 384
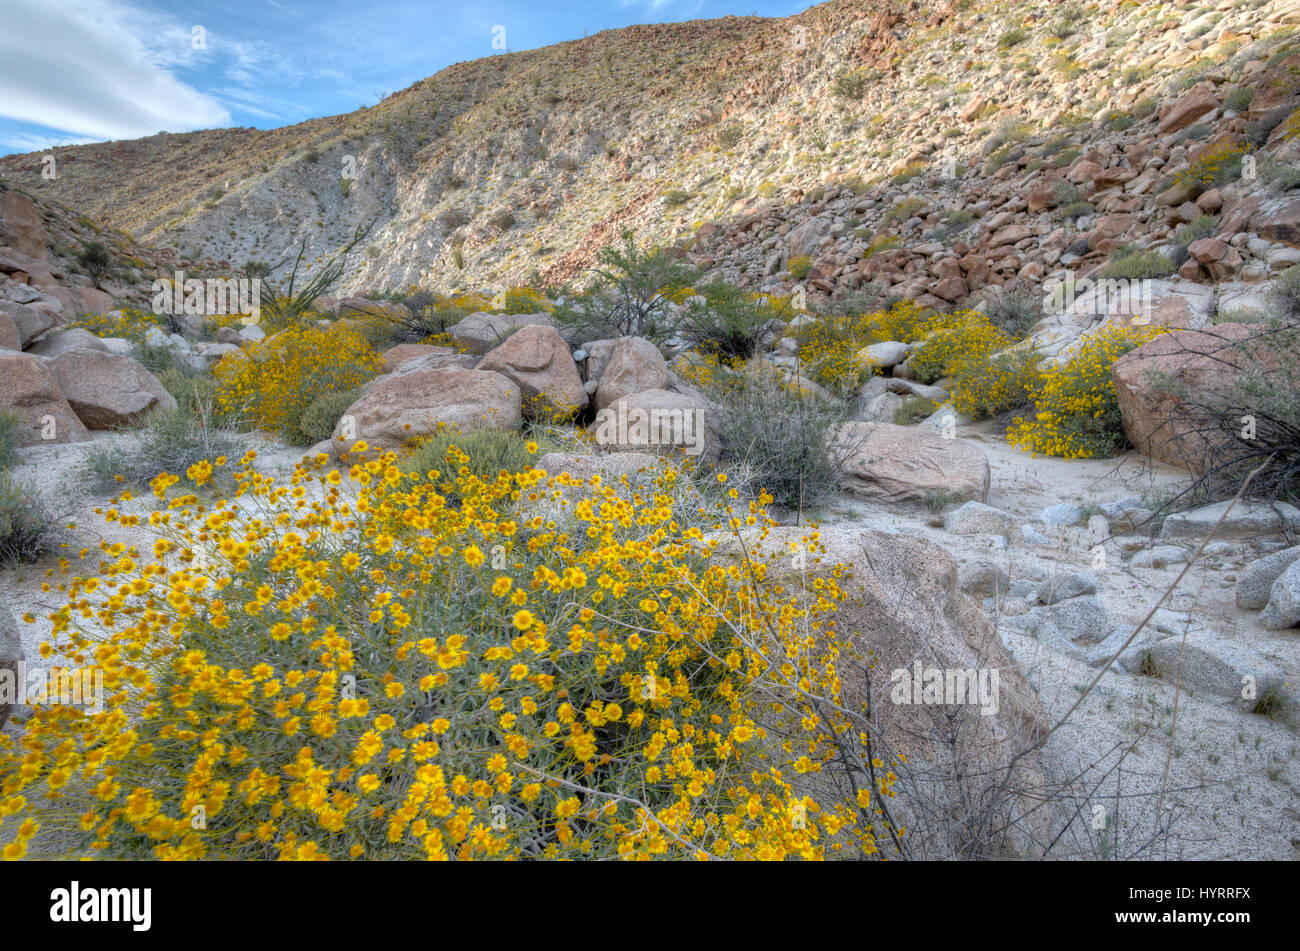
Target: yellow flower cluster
829 347
526 300
130 323
996 383
1213 164
274 380
1076 410
1291 126
968 339
348 666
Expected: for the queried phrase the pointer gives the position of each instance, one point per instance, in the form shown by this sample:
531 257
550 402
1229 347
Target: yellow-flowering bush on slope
829 347
274 381
345 666
1076 410
968 339
997 383
130 323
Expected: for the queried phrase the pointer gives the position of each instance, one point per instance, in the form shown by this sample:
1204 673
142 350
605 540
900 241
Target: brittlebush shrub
829 347
482 454
345 667
951 350
1076 409
272 382
129 323
998 383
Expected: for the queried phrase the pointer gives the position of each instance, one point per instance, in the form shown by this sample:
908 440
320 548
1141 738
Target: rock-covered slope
752 142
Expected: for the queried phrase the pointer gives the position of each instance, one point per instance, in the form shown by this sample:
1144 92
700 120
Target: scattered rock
658 421
1182 112
882 407
1060 515
932 624
106 390
537 359
400 407
10 338
884 355
983 579
1256 581
897 463
976 518
29 321
1246 520
76 339
1066 585
634 365
479 333
1155 419
405 352
1283 608
21 225
44 416
1161 556
1209 662
1070 624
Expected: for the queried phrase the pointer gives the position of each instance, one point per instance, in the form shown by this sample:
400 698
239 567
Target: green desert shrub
95 260
781 434
1285 293
319 419
1016 312
903 210
1133 263
913 410
196 397
628 294
171 441
851 84
1203 226
27 527
730 135
1076 209
1274 170
1012 37
9 420
726 321
1239 99
489 452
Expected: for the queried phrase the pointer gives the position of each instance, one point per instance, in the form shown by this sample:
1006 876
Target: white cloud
99 69
37 142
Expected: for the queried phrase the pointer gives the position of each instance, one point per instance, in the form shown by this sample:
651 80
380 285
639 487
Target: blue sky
74 71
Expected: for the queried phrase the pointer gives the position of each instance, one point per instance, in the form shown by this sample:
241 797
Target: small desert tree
629 294
95 260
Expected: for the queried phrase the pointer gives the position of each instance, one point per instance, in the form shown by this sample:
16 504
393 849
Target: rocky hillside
933 148
1044 493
